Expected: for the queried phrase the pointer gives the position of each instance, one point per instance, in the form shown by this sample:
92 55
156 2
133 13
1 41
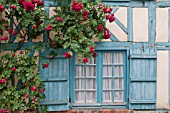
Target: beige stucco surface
162 80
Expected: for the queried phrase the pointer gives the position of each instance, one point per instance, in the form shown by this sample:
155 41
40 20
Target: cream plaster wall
162 80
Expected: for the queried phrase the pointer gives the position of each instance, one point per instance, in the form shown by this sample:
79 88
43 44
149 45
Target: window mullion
113 77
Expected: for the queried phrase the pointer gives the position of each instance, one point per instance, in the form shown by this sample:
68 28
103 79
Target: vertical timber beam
130 24
169 52
152 22
46 33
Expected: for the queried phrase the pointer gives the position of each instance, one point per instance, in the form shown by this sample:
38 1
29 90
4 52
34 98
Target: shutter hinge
69 100
128 56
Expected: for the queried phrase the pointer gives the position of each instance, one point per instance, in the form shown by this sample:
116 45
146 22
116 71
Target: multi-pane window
113 77
111 84
85 82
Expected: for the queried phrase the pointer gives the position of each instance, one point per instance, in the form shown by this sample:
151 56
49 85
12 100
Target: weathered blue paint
142 92
130 23
56 79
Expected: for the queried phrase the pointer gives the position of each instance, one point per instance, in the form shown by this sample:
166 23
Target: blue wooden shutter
142 93
56 81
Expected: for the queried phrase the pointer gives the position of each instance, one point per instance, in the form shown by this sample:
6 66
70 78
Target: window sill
98 104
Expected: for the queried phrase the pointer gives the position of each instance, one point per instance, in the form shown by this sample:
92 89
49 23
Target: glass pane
107 70
90 83
118 96
118 84
107 84
91 97
118 58
107 58
80 97
79 71
79 83
91 61
107 96
118 71
90 71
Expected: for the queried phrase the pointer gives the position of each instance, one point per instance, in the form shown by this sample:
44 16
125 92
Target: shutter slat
55 79
143 56
142 101
59 102
143 79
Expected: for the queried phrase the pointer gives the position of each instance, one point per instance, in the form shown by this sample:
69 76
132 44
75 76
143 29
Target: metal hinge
69 100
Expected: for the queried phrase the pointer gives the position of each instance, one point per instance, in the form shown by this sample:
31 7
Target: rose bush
74 28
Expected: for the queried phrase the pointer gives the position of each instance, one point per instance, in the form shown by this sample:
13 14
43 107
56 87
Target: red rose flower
51 57
2 38
67 55
100 6
106 34
34 88
28 6
105 9
59 19
21 1
13 55
85 17
34 1
52 43
3 110
49 28
26 95
6 26
13 7
94 55
1 31
76 6
1 8
15 33
6 38
40 21
108 17
85 60
85 13
20 52
45 65
2 81
40 3
42 90
112 18
92 49
109 10
34 26
14 69
10 31
100 27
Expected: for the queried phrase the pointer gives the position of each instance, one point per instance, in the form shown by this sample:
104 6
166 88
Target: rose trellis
74 29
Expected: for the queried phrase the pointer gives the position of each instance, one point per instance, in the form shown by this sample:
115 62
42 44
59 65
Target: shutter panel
56 81
142 93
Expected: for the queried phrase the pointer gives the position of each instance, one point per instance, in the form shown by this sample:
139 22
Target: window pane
79 71
107 96
118 96
91 61
90 83
107 84
118 71
90 71
118 58
107 70
91 97
118 84
107 58
80 97
80 83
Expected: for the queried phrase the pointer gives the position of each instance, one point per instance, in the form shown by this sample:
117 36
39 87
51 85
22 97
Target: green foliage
13 96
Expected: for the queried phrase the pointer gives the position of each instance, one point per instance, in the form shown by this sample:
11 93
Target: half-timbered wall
142 30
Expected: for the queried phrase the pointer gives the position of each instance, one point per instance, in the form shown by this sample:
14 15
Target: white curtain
85 84
108 88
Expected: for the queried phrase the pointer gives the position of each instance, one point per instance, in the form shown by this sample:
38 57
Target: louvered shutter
56 81
143 70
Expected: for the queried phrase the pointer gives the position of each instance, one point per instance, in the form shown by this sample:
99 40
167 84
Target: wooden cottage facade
131 70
